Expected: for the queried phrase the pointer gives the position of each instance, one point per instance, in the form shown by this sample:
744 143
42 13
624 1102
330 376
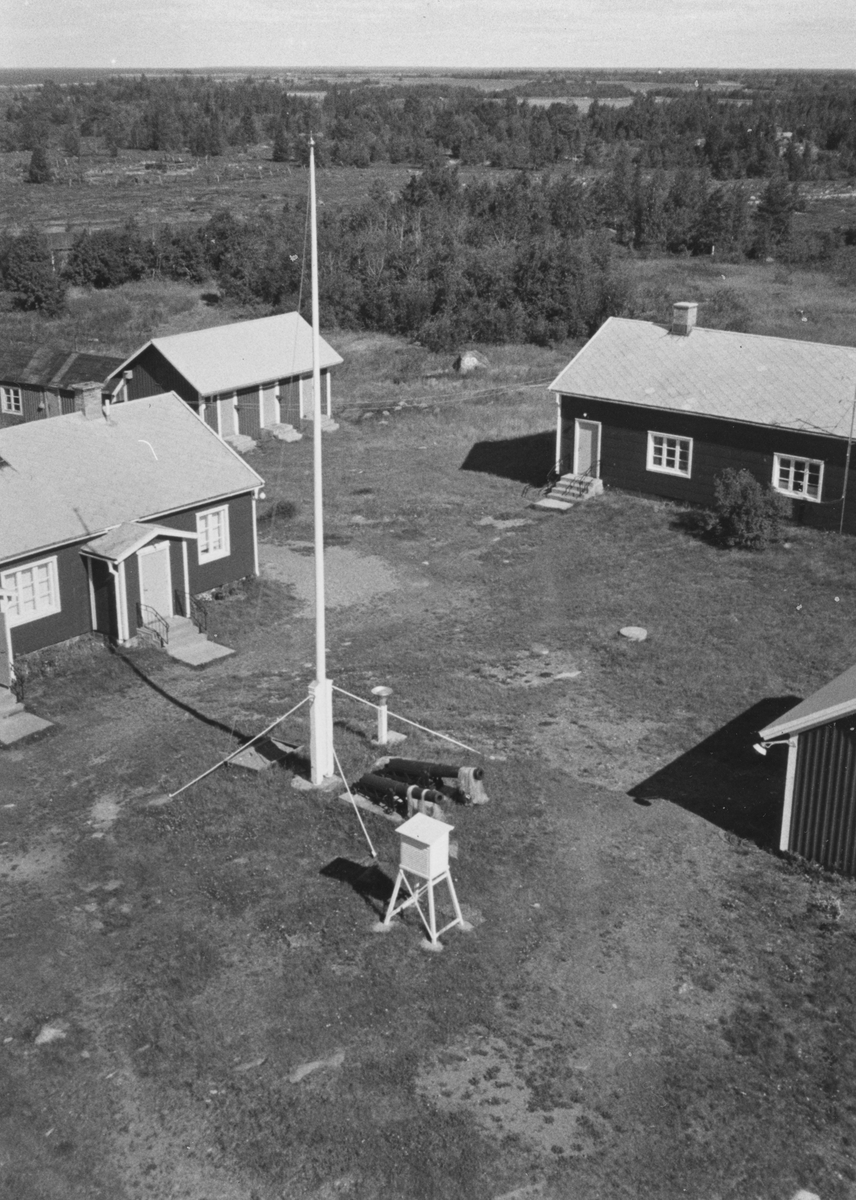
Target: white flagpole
321 689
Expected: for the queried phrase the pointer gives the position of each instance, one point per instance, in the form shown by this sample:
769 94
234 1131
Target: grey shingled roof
736 376
243 354
77 477
834 700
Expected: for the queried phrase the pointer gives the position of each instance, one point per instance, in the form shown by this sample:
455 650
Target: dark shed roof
47 367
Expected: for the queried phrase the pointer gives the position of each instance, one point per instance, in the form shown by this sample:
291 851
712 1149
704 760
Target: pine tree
28 273
39 170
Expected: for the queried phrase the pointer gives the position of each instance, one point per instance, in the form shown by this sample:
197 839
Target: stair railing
198 614
149 618
553 476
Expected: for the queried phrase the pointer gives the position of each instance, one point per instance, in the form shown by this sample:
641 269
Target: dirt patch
490 1078
350 577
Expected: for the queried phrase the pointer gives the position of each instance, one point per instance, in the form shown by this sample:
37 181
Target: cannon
408 796
431 774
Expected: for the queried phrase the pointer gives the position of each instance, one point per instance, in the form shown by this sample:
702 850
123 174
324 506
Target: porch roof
120 543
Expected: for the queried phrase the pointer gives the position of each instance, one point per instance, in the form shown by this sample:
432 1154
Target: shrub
746 514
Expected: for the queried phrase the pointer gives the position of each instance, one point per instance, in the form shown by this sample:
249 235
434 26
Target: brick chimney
88 400
684 315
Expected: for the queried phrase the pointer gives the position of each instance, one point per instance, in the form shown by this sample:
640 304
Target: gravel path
349 577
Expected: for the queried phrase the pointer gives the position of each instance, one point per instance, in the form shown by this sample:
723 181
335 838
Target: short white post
383 694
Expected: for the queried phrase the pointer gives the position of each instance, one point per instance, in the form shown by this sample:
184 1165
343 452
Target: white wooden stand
425 857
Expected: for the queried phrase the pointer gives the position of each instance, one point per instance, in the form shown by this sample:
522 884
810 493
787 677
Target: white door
587 448
156 578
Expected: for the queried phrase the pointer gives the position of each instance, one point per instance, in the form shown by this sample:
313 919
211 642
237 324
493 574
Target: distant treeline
522 258
802 124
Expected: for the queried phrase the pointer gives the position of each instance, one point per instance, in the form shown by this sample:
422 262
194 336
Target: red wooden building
37 383
664 409
819 814
241 378
112 513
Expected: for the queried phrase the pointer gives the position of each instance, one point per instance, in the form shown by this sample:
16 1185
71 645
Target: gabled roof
77 477
46 367
126 539
243 354
736 376
833 701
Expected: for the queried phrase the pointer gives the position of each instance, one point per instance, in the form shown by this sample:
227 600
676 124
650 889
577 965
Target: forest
538 253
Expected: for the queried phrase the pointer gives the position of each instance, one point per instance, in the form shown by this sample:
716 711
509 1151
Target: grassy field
651 1003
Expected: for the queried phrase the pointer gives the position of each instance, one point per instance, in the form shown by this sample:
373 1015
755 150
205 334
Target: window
798 476
671 455
213 530
34 591
10 400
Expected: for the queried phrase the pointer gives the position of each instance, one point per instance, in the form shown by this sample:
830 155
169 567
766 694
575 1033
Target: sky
476 34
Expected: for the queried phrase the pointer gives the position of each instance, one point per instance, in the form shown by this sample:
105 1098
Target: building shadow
370 883
725 781
526 459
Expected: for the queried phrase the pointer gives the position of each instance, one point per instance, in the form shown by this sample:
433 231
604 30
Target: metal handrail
553 475
149 618
198 614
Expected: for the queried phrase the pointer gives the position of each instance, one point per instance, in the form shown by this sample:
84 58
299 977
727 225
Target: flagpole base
321 759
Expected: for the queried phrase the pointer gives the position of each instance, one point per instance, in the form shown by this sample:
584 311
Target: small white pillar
385 736
382 694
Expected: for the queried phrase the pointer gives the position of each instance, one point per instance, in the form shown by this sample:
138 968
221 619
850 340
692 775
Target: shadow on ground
369 882
525 459
723 780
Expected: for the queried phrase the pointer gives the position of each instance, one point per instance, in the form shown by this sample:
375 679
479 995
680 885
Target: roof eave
785 728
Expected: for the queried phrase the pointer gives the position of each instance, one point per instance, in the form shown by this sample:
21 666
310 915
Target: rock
634 633
251 1065
469 360
335 1060
567 675
52 1031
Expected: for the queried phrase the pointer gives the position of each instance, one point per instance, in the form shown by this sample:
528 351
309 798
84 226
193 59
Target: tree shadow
526 459
370 883
724 781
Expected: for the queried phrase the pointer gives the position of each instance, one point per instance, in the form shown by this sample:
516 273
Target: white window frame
203 554
665 469
806 463
12 401
10 583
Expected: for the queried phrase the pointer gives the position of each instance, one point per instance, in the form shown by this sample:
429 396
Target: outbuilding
38 383
663 409
240 378
819 813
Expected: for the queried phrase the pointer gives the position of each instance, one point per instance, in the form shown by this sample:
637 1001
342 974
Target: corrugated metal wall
823 818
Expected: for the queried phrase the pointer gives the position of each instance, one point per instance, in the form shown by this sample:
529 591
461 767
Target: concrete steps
188 645
567 491
16 724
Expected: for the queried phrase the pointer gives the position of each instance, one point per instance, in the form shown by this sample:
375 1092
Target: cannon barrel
381 785
415 768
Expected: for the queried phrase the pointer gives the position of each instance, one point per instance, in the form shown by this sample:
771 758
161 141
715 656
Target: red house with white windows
664 409
240 378
114 518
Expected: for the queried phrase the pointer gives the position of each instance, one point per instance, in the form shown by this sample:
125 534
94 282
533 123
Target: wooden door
587 448
156 579
249 416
